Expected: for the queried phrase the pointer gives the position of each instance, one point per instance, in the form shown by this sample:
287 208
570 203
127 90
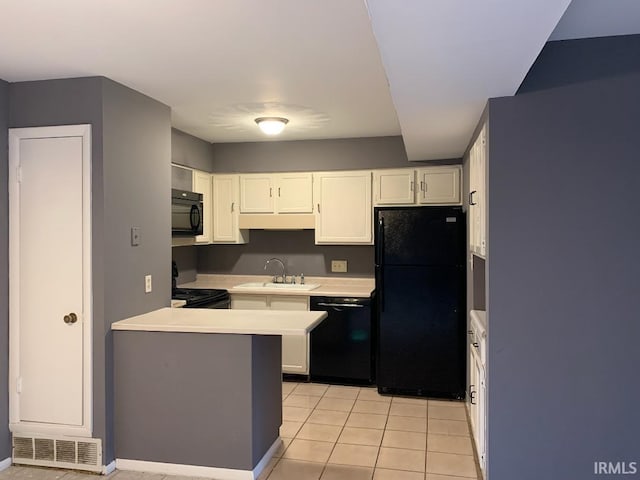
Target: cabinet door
473 392
295 354
181 177
202 184
482 192
394 187
294 193
289 302
343 207
440 185
249 302
225 210
477 194
256 193
295 348
482 424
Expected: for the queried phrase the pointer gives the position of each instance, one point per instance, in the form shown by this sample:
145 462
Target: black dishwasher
342 345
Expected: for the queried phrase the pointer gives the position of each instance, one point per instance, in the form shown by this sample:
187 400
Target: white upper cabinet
394 187
478 194
256 193
439 185
294 193
276 193
343 207
202 184
226 195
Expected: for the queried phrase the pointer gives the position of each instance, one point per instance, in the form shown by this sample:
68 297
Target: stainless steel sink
277 286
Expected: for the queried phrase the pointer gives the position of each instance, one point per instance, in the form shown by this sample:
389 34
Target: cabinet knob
71 318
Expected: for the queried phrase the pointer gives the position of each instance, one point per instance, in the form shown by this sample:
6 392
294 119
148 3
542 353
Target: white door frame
15 135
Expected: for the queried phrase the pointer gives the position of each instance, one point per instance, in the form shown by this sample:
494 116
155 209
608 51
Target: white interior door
50 307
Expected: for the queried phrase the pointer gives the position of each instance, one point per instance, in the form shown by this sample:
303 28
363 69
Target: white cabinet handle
412 186
270 192
278 191
232 205
318 208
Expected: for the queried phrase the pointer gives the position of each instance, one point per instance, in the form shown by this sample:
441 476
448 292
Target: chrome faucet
284 269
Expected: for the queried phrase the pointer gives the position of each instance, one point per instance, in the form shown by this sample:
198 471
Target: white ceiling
221 63
445 58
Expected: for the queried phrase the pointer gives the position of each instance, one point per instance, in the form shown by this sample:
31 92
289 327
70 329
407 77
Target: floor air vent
61 452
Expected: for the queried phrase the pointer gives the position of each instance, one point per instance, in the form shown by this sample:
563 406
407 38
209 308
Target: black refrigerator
421 294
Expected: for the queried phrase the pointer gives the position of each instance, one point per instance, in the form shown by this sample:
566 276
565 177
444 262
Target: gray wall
186 259
191 151
66 102
310 155
137 179
5 442
130 185
295 248
563 278
578 61
298 247
194 399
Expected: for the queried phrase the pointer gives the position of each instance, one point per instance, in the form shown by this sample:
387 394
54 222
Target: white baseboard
198 470
265 459
107 469
4 464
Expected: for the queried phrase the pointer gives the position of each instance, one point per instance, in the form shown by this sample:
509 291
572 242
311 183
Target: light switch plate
135 236
339 266
147 284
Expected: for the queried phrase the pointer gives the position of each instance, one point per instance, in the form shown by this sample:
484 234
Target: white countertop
329 286
245 322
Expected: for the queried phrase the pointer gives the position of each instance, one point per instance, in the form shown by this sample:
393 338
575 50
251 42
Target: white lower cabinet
477 405
295 348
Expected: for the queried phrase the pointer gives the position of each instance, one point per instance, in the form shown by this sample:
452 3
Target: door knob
71 318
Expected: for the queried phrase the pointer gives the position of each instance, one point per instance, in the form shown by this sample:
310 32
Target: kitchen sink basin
277 286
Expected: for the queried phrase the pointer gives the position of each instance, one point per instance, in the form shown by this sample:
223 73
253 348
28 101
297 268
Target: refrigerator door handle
380 261
380 242
380 287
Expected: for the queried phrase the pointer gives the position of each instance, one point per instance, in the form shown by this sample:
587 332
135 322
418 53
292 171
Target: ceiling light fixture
271 125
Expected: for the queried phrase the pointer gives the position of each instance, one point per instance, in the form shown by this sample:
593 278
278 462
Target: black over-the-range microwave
186 213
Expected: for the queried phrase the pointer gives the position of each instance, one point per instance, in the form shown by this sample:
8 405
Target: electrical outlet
339 266
147 284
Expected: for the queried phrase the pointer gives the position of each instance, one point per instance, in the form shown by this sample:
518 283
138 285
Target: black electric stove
198 297
202 297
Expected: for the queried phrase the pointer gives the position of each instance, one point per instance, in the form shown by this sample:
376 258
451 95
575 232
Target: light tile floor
334 432
346 433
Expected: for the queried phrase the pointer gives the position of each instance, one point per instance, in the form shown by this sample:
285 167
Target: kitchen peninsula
198 392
